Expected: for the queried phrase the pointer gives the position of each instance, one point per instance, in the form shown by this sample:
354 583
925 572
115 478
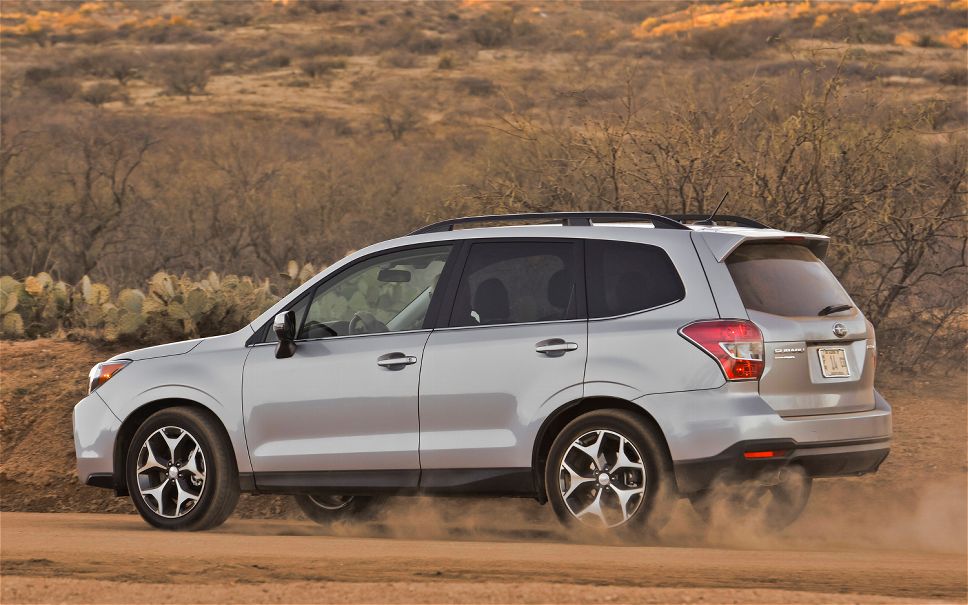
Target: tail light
736 344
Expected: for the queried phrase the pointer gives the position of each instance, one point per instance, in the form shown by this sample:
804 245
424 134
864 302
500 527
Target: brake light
737 344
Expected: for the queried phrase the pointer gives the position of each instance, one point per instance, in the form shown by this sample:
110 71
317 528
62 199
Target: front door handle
555 347
395 361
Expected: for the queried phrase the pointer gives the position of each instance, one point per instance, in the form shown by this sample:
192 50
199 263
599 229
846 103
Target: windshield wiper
834 309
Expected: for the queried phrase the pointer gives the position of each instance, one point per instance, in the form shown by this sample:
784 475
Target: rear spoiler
723 243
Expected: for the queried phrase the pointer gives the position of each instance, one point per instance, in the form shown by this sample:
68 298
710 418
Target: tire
775 507
202 490
329 509
643 480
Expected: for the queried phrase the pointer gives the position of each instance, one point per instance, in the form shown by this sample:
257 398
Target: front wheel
608 470
328 509
181 471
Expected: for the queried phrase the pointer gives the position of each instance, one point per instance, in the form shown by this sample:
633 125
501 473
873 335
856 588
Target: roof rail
702 219
571 219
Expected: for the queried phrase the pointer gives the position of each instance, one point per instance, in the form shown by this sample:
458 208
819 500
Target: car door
511 348
342 411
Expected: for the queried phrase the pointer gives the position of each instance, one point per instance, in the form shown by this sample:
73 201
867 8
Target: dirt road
116 558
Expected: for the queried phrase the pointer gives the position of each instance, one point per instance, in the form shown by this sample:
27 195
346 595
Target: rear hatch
819 359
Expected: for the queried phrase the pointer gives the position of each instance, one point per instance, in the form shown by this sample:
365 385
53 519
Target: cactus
12 325
171 307
296 275
9 291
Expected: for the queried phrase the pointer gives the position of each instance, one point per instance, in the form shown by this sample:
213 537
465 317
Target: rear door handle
395 361
555 347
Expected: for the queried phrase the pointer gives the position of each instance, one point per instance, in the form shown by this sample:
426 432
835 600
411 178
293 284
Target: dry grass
301 130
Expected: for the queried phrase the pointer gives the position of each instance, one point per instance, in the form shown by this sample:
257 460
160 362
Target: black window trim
260 335
578 252
685 289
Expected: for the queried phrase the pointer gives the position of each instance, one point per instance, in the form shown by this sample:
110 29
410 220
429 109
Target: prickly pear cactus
170 308
11 323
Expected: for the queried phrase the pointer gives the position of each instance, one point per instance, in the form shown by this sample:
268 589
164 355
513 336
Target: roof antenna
709 221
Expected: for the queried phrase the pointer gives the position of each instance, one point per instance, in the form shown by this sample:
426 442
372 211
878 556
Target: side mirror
284 325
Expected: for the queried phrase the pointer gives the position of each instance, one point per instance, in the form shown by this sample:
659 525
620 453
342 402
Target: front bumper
95 429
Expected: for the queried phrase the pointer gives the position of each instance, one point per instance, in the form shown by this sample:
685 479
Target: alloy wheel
602 478
171 472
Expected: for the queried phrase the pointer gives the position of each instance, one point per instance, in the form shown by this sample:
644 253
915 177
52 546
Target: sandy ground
117 559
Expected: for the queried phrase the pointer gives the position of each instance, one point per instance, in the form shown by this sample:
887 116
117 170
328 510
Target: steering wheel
363 322
316 329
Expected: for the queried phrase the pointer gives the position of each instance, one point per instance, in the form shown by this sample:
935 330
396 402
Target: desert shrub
494 28
59 89
398 118
315 6
230 57
402 59
926 41
183 75
418 41
275 60
118 65
174 30
36 74
326 47
955 76
446 61
103 92
476 87
317 68
730 43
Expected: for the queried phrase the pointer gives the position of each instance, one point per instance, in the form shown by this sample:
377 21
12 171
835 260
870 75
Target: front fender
210 378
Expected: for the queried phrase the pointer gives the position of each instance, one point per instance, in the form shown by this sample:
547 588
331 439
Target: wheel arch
136 418
560 418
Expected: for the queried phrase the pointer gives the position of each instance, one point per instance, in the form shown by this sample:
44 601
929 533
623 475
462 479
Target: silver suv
607 363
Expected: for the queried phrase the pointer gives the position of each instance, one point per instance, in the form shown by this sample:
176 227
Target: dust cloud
843 514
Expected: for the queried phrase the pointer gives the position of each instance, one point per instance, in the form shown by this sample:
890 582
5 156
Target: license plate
833 363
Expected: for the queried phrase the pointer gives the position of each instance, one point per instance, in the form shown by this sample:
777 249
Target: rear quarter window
625 277
784 279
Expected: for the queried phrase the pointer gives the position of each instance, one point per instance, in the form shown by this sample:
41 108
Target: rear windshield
784 279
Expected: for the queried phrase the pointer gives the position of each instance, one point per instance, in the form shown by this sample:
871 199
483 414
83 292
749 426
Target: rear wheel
181 471
328 509
607 470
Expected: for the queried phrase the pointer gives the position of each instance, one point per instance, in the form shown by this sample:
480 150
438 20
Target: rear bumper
817 459
708 432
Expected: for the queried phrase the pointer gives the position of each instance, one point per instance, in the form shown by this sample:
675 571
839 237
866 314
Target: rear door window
517 282
625 277
784 279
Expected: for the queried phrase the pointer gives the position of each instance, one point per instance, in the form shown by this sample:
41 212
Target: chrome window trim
327 338
520 323
640 311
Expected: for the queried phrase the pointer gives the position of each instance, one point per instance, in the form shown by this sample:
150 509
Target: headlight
103 372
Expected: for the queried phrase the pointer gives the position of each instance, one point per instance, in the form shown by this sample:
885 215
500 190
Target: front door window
389 293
